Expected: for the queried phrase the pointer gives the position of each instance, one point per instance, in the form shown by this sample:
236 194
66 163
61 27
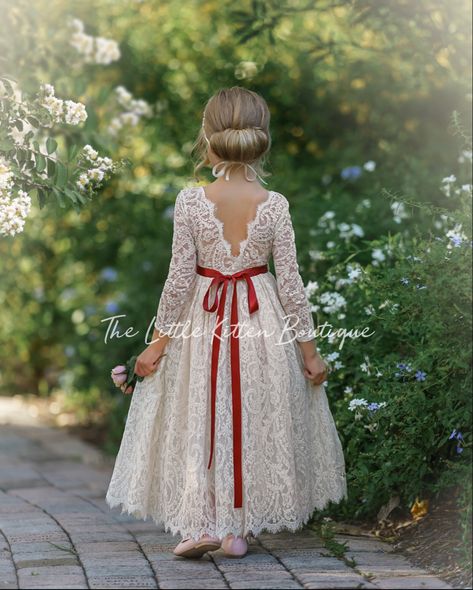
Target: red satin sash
218 281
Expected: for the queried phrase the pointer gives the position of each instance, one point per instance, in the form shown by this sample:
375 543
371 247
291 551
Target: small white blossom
369 166
89 152
357 403
82 181
95 174
13 210
311 288
465 156
399 211
333 356
332 302
378 256
75 112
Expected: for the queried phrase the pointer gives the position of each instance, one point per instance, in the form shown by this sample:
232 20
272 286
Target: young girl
230 433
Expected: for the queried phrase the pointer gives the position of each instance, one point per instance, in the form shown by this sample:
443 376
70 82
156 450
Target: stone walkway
57 532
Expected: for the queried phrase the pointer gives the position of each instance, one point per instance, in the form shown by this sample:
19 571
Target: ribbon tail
236 402
214 370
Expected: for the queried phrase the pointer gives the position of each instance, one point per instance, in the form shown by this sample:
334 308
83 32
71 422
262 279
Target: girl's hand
148 360
315 368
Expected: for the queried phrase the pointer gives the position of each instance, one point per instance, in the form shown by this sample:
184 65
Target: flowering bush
408 385
29 160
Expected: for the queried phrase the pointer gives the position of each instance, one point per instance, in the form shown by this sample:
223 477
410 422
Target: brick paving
56 531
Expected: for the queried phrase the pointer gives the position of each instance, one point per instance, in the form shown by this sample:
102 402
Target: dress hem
177 529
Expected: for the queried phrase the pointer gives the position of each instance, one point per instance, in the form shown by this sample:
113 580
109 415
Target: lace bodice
198 238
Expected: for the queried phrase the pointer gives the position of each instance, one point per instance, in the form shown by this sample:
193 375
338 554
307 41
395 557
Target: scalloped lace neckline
220 224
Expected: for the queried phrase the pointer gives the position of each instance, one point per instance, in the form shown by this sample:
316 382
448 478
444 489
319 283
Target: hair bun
245 144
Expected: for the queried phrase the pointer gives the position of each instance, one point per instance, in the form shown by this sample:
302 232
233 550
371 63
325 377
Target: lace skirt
292 458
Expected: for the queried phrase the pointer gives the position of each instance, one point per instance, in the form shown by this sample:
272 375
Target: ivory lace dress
291 458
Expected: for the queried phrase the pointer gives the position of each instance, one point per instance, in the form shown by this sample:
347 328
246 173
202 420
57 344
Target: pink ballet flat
195 549
234 546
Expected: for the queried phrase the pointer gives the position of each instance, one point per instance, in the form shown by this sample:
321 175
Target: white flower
94 49
75 112
369 166
465 156
357 230
333 356
106 51
83 181
95 174
13 211
364 367
104 163
399 211
330 245
369 310
332 302
447 183
47 89
378 256
124 96
83 44
55 107
347 231
130 119
348 389
90 153
354 272
115 125
311 288
357 403
141 108
316 255
77 25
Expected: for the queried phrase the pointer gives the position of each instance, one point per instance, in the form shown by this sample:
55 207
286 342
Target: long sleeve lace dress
287 460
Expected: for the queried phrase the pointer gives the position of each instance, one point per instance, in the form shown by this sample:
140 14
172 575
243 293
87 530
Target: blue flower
401 366
453 434
405 281
111 306
109 274
456 240
373 406
420 375
351 172
459 450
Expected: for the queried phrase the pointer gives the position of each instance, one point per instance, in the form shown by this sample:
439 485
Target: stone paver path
56 531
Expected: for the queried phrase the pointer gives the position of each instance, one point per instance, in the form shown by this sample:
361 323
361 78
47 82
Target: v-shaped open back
248 226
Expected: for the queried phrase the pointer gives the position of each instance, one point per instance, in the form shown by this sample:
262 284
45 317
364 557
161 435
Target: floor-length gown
291 458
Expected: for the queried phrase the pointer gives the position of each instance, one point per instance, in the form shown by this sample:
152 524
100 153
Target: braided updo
236 124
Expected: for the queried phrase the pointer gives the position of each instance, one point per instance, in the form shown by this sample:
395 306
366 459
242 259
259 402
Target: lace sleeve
289 281
181 275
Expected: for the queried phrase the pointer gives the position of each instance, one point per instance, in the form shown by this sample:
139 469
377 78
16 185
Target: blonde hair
236 124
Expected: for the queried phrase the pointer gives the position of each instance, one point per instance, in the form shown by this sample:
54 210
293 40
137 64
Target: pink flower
119 375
